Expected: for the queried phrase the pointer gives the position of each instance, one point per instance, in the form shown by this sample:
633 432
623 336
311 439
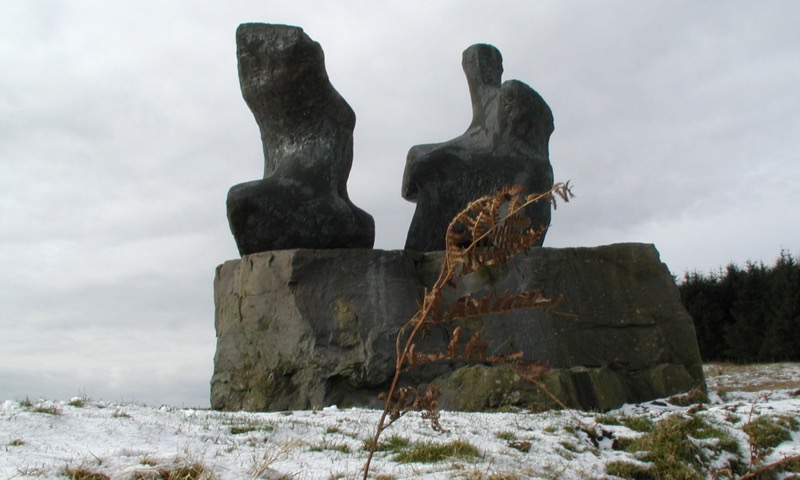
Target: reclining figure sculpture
506 143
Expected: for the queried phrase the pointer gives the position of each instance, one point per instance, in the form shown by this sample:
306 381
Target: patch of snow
127 441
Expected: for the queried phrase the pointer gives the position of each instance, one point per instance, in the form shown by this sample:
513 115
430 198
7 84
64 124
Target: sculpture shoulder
429 162
523 112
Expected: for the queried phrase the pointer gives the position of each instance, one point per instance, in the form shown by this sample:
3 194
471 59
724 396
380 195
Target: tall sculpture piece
506 143
307 135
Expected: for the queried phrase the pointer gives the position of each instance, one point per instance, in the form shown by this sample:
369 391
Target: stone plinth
299 329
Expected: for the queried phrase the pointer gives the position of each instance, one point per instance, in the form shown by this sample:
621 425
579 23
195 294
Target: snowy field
88 439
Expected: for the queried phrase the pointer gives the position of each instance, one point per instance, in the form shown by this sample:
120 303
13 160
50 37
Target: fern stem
484 207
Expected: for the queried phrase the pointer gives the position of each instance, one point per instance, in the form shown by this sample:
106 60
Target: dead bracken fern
407 399
489 231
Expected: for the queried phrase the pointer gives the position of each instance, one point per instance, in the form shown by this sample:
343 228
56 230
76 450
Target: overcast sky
122 128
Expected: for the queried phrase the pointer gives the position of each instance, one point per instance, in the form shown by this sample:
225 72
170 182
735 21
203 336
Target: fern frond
423 358
558 301
475 348
491 230
502 358
469 306
431 306
410 358
452 346
407 399
563 191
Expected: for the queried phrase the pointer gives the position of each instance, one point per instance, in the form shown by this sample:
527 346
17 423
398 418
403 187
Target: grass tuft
607 419
194 471
392 444
630 471
793 465
242 430
520 445
430 452
80 401
47 409
638 424
694 397
506 435
770 431
480 475
674 446
250 425
80 473
325 445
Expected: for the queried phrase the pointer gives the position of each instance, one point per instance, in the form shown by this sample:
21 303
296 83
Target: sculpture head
279 67
284 82
483 65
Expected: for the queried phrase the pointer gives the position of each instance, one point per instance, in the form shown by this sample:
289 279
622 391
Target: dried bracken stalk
510 357
476 348
469 306
452 346
533 372
489 231
774 466
415 358
493 229
408 399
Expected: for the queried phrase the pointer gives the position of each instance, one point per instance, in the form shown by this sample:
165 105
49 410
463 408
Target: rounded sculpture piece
506 143
307 135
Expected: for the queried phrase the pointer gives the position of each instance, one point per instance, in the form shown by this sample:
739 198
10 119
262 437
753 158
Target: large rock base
299 329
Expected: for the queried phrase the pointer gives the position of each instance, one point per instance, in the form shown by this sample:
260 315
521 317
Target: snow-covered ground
48 439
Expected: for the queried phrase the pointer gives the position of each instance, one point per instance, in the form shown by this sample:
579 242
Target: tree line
749 314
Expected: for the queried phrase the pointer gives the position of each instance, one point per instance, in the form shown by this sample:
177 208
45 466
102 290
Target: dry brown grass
81 473
727 377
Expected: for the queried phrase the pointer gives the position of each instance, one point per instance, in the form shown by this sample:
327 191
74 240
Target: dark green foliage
749 314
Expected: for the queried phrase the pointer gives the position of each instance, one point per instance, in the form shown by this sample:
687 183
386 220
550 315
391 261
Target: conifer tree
749 314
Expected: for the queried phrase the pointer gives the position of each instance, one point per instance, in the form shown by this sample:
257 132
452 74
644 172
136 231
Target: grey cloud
122 128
